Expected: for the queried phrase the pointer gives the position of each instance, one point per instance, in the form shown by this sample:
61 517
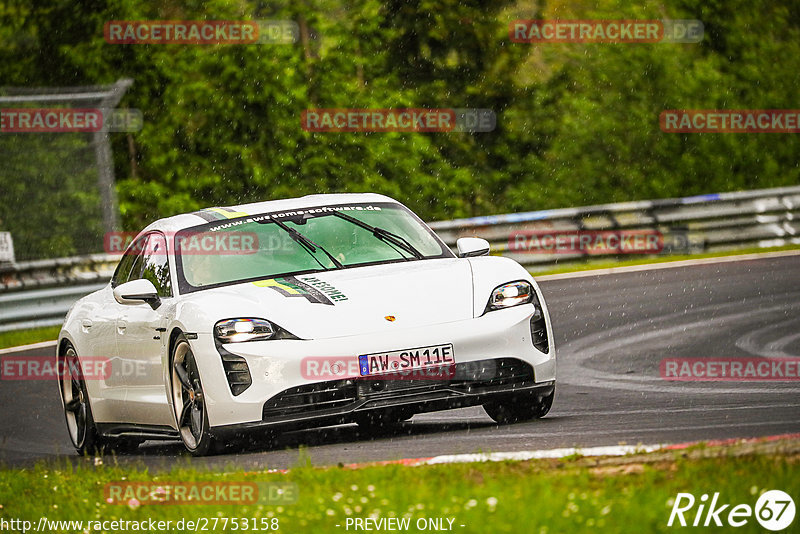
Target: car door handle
122 326
87 323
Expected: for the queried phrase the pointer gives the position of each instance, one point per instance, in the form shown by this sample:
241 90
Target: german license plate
399 361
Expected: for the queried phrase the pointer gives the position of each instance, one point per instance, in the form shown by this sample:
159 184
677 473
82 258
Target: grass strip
16 338
647 260
575 494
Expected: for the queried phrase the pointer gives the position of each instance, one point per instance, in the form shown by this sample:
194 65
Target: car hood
351 301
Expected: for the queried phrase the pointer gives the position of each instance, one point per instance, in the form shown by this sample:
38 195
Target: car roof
188 220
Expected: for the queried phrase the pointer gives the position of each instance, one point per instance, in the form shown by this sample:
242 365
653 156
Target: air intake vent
539 327
312 397
236 371
484 376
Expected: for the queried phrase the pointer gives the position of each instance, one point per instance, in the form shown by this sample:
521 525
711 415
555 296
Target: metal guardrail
39 307
39 293
706 223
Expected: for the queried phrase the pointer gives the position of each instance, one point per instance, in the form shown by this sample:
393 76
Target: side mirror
469 247
136 292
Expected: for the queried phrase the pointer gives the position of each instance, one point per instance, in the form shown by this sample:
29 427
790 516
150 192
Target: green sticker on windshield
333 293
289 286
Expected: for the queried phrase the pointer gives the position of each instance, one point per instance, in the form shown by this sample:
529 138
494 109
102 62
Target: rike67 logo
774 510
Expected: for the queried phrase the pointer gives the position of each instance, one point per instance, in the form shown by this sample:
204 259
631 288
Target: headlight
511 294
236 330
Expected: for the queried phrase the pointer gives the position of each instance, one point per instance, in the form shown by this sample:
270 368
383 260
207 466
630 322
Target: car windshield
292 242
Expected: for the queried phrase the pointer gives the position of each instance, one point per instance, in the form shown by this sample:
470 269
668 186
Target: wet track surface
611 332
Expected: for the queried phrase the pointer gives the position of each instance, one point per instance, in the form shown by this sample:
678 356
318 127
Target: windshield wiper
307 244
383 234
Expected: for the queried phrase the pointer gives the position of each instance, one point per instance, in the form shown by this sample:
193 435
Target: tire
78 411
518 409
188 401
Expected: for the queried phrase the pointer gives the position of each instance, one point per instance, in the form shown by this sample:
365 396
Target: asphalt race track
611 333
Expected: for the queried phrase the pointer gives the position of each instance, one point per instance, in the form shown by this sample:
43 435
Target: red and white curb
613 450
41 345
520 456
732 441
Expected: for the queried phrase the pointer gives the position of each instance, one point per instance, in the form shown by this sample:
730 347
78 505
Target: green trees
596 107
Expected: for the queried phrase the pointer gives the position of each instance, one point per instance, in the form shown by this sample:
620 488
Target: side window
130 266
155 266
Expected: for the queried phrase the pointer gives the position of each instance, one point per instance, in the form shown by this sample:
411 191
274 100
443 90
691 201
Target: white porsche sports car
321 310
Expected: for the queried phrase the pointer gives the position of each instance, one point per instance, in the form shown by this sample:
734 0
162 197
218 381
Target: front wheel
188 401
517 409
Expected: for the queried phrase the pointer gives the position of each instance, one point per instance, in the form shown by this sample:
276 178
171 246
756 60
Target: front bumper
495 343
344 401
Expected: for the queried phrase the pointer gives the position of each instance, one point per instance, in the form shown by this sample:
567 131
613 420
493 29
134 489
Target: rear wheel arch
63 346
